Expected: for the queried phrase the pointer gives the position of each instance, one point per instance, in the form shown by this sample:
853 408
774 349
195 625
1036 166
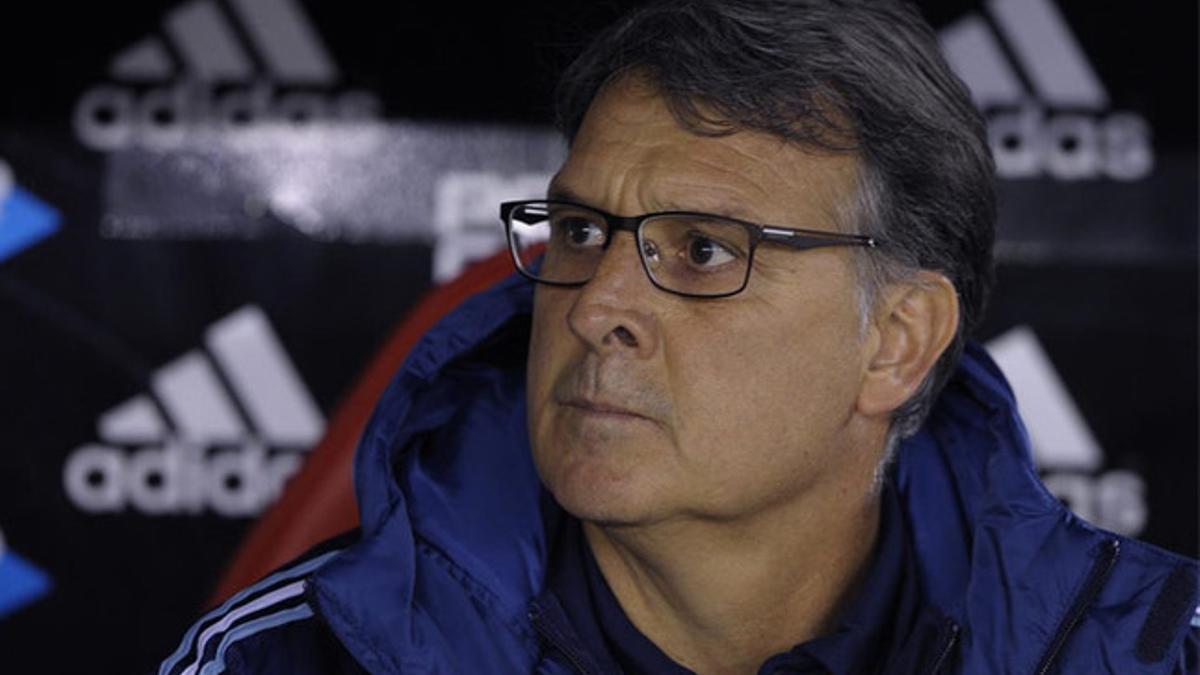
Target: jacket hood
456 528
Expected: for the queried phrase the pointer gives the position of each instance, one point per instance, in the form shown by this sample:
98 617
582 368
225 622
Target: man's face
646 406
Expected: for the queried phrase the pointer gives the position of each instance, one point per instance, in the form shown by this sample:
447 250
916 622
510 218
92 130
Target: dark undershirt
883 609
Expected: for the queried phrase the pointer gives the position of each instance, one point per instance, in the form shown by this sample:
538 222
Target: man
734 428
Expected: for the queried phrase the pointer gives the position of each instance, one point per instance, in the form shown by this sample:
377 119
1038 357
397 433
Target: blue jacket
446 572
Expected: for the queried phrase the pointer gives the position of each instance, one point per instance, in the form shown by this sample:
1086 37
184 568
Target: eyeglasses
696 255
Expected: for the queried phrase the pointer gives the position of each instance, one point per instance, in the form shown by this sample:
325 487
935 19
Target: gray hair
859 76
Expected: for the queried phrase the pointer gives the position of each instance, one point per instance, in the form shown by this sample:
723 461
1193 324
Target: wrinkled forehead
634 154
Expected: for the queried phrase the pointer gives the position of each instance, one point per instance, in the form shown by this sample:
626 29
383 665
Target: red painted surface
318 502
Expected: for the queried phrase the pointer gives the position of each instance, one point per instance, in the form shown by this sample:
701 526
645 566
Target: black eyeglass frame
798 238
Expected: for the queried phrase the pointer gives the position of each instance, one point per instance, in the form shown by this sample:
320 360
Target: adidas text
110 117
1114 500
1030 143
177 479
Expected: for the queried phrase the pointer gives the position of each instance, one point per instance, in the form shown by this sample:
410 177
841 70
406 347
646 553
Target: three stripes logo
223 429
1048 111
262 64
277 600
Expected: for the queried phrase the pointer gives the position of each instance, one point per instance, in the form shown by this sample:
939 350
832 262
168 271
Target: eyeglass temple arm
805 240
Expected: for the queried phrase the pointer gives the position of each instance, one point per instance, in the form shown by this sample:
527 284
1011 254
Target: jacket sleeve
269 627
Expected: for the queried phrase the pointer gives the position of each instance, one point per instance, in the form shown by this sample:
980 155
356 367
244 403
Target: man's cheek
541 357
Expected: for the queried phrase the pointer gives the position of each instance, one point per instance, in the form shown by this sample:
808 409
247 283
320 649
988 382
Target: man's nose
613 312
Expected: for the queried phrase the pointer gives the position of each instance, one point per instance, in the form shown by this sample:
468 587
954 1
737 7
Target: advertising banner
214 213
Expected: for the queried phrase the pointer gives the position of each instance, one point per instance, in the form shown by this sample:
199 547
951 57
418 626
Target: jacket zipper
1095 581
551 636
946 649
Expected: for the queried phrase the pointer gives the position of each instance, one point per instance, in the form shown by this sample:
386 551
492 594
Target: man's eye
705 252
581 232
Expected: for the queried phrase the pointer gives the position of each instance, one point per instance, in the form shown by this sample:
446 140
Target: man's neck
725 596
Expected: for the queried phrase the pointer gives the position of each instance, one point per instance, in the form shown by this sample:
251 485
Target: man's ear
914 322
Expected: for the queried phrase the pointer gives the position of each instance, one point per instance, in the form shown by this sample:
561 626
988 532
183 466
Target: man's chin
604 496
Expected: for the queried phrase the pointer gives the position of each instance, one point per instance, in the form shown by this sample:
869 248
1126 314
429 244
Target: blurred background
216 216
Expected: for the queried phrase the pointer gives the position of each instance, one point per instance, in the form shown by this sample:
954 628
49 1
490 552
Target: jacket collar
443 473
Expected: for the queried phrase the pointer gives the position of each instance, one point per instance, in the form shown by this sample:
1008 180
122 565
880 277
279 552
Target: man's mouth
608 394
598 407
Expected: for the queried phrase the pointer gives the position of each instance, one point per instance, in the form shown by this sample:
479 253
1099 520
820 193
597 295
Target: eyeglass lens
686 254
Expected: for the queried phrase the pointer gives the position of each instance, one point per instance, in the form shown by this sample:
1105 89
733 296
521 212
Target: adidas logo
1047 110
223 429
1064 448
275 70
